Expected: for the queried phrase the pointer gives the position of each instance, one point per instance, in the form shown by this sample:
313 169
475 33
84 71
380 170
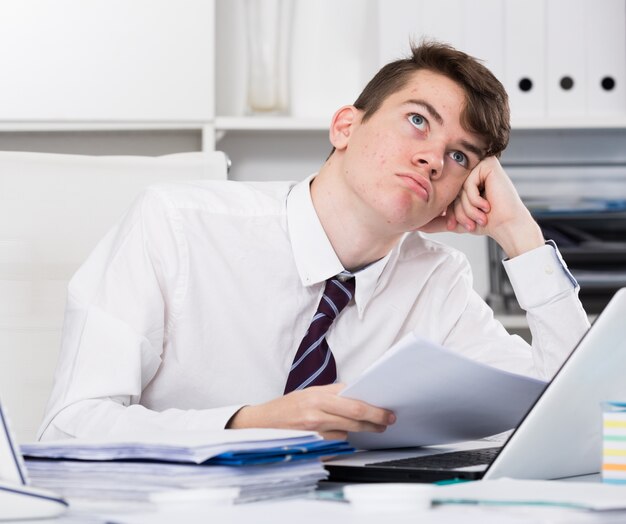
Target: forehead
432 87
445 96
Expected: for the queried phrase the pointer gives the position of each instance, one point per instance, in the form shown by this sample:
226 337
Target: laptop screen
11 465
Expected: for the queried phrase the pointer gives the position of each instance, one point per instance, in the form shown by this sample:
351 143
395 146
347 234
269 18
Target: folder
524 57
399 22
483 33
606 57
246 446
262 463
443 20
566 75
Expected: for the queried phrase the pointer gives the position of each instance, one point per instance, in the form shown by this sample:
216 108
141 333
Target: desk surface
320 509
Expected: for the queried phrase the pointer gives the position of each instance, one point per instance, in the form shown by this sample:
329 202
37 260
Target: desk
315 510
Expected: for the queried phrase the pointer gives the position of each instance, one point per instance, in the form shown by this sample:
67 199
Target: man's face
408 161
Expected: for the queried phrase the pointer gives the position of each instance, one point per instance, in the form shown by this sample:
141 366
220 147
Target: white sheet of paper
174 444
439 396
583 495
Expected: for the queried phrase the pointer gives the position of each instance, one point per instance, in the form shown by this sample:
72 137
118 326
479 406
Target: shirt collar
315 258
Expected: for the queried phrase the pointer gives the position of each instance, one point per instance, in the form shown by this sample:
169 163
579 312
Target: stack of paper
261 463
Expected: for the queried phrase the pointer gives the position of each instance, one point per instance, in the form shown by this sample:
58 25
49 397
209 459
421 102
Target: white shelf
579 122
270 123
287 123
9 127
279 123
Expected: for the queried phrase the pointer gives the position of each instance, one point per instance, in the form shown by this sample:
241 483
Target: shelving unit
262 147
572 123
269 123
278 123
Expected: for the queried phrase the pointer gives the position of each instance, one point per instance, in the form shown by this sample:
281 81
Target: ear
342 125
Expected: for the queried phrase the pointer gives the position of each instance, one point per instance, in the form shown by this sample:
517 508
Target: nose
429 158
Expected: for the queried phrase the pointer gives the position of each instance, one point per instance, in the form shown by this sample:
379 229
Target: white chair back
54 208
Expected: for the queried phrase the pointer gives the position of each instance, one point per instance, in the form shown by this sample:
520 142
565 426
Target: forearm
106 418
547 292
318 408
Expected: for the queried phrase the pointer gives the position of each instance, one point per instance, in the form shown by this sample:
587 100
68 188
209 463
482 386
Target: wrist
519 239
240 419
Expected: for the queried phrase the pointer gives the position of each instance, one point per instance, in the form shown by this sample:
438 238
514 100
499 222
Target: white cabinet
102 61
264 147
389 24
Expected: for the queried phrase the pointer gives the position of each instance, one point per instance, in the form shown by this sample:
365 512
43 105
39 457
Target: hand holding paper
439 396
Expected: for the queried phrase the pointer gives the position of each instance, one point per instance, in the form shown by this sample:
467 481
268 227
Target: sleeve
548 293
120 304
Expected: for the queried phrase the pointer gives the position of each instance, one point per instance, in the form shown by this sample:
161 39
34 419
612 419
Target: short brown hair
486 112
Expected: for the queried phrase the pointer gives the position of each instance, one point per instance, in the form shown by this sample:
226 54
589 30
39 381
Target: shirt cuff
539 276
213 418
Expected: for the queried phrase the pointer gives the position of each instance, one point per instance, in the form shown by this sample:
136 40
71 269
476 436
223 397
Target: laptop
560 436
18 500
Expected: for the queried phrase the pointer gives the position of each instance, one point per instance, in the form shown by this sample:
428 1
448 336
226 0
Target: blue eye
417 120
459 158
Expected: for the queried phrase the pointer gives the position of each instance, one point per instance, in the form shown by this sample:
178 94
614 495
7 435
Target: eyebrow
438 118
433 112
473 149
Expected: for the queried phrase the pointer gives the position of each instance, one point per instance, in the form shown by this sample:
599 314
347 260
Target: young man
194 311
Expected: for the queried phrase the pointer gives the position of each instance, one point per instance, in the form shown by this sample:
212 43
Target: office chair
54 208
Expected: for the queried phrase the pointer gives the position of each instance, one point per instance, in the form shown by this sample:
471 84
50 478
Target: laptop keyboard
451 460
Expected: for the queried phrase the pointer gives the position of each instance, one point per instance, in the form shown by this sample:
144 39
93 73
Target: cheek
382 149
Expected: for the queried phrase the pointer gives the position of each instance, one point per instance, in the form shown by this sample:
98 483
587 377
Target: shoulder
220 197
419 247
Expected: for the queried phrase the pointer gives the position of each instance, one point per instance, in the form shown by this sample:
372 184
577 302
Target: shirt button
549 270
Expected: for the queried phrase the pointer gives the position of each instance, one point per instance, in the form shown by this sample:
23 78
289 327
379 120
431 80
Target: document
595 496
439 396
139 482
261 463
225 447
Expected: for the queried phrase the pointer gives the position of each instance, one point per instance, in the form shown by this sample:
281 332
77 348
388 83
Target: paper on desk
583 495
181 446
262 463
439 396
136 481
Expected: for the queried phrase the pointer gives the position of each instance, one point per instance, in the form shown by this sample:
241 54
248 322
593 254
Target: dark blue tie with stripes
314 364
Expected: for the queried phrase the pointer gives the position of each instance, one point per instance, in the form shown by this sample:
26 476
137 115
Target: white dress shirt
195 304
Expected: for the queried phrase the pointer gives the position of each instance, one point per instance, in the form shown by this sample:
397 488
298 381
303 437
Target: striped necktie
314 364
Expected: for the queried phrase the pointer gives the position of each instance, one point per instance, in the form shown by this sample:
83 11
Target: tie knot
337 295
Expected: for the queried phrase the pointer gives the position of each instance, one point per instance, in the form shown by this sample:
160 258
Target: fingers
355 411
324 422
334 435
317 408
331 412
467 210
471 208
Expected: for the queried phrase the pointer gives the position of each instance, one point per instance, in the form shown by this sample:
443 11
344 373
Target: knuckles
311 421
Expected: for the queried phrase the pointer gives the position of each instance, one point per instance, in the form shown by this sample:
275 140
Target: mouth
418 184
